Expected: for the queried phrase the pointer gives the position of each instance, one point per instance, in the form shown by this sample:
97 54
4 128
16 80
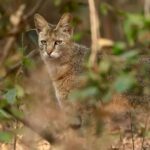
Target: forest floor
119 132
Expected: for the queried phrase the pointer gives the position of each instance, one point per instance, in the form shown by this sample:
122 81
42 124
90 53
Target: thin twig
132 131
18 64
17 27
15 138
145 128
17 16
94 31
147 8
15 143
34 9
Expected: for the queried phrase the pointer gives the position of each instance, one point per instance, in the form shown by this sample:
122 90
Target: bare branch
132 134
18 64
94 31
145 128
15 20
34 9
147 8
18 17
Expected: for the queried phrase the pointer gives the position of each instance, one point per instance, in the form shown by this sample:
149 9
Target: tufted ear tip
38 17
66 18
40 22
64 24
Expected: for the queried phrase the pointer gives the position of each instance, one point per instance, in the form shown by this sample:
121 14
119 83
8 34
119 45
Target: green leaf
90 91
118 48
104 66
3 114
104 8
92 76
6 136
148 133
84 93
132 25
130 54
27 62
20 91
57 2
124 82
3 103
77 37
107 96
10 96
17 112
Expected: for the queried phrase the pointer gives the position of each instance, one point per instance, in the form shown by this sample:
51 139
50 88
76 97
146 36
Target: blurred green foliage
6 137
125 69
119 72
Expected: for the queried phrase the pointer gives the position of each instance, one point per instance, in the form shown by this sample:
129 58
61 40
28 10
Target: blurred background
117 96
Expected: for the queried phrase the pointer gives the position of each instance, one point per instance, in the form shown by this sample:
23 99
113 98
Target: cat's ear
40 22
64 24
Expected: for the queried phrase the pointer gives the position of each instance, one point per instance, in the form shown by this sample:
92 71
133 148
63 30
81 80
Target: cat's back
81 49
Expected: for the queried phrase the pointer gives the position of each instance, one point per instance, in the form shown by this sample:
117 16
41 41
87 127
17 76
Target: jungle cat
63 57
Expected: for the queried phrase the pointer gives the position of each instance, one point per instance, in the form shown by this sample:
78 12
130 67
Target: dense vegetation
122 66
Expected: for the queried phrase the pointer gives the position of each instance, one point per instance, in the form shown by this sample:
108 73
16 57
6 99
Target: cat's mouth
52 54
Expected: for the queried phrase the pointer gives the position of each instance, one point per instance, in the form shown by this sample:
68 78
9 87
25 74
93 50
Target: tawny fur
63 58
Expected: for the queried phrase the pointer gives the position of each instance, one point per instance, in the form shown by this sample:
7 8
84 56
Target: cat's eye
58 42
43 42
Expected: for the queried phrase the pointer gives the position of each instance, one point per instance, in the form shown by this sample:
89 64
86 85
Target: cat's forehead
53 33
47 31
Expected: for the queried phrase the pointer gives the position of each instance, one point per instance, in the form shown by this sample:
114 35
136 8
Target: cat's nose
49 53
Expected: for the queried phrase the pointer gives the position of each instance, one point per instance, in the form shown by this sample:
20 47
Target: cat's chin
55 55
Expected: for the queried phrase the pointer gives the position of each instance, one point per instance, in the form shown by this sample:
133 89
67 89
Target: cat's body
63 58
65 74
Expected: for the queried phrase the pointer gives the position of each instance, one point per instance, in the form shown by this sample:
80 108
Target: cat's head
54 39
